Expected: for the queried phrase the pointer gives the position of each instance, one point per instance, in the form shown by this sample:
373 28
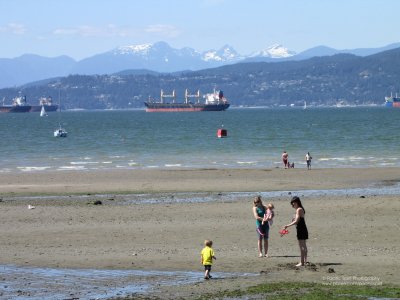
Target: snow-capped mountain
157 57
133 49
274 51
225 54
160 57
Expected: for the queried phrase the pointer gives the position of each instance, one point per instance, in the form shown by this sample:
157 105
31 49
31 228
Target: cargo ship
47 103
212 102
18 106
392 101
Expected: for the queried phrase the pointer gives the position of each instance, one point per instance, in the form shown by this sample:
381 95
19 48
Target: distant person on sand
308 160
207 256
262 224
302 232
285 157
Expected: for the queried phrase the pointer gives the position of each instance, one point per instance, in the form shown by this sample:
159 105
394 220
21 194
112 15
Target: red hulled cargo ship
213 102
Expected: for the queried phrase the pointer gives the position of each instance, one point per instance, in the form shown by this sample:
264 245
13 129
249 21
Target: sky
83 28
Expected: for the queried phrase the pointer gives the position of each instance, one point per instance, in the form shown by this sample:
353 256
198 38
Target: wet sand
355 235
188 180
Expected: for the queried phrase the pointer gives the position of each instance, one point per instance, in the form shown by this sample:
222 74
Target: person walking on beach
302 232
207 256
308 160
262 225
285 157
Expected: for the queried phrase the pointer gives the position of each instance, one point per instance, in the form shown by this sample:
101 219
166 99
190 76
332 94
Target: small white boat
43 112
60 132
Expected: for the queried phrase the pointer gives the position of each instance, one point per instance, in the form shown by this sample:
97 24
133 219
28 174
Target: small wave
83 162
353 158
247 162
78 168
332 159
172 165
28 169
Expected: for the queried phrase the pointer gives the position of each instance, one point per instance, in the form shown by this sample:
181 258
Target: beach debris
31 207
362 196
311 266
331 270
95 202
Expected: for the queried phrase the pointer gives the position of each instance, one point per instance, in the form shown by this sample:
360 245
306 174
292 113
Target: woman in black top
302 232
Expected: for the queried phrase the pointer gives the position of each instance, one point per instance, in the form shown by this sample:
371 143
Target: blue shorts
263 231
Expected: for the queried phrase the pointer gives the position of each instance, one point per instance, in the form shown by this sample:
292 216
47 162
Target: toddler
269 215
207 256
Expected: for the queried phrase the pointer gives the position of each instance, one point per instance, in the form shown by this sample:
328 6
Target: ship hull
392 101
392 104
48 108
15 109
182 107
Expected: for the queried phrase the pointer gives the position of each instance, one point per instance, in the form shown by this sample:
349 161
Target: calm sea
335 137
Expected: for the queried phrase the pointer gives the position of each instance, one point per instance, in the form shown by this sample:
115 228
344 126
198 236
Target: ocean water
336 137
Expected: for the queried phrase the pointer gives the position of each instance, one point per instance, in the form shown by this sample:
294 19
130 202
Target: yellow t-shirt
207 254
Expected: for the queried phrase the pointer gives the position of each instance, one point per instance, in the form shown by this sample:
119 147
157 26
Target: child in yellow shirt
207 256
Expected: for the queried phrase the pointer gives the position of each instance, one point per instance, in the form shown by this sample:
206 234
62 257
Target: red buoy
221 133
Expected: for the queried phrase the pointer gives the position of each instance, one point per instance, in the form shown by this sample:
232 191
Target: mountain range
158 57
344 79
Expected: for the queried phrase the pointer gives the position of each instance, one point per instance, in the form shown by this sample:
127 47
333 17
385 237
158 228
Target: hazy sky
82 28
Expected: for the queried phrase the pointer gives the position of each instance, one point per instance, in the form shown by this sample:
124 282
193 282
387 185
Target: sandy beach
355 235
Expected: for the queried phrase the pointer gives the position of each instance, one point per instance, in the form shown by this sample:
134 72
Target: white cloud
161 29
112 30
14 28
84 31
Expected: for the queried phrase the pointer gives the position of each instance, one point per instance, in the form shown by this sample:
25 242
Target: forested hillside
324 80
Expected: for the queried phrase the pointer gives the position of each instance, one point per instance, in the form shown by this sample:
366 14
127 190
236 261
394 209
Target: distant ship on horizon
20 105
47 103
392 101
213 102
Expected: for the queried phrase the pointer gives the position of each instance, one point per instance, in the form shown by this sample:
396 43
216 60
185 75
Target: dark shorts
207 267
265 230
